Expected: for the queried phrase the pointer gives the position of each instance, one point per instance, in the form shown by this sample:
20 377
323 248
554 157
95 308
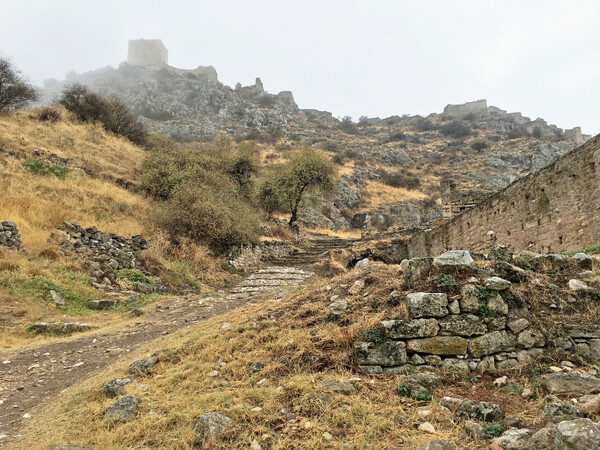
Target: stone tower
147 53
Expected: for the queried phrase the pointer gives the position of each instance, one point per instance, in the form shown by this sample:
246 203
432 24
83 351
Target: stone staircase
272 278
313 249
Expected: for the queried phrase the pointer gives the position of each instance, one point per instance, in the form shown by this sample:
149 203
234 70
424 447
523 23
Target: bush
455 129
515 133
398 180
212 214
423 124
330 146
347 125
49 114
15 91
111 113
397 136
479 144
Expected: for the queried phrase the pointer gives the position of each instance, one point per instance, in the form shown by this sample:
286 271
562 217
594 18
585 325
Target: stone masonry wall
102 253
555 209
250 255
10 237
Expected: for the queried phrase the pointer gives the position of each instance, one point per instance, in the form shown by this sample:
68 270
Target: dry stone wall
10 237
102 253
251 255
553 210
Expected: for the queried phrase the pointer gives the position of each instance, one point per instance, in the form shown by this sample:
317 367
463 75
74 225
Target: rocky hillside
456 352
392 167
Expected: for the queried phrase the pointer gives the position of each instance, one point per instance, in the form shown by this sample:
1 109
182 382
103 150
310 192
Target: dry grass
342 234
300 348
379 194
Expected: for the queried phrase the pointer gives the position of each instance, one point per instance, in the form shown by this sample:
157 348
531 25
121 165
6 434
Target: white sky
374 58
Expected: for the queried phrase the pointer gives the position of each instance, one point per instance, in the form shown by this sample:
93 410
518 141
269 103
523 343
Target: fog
374 58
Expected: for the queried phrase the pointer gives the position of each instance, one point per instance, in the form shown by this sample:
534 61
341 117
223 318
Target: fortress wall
555 209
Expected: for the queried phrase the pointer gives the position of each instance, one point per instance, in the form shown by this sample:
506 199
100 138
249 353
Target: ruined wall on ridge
555 209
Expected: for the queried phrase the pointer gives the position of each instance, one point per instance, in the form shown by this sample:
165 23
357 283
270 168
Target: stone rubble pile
10 237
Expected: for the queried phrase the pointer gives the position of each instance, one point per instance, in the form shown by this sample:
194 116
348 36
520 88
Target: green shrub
479 144
134 276
397 136
44 168
455 129
493 429
330 146
371 335
443 282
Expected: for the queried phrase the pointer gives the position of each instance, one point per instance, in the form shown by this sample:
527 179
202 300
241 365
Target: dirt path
32 376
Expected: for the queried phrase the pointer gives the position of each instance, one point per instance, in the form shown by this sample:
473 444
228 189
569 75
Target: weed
468 379
123 207
486 311
421 396
232 270
485 294
443 282
371 335
493 429
44 168
404 389
134 276
512 389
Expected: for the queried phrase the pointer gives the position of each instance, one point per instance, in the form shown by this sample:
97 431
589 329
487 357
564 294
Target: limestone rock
142 366
578 434
497 283
424 382
530 338
490 343
388 353
579 331
413 268
543 439
475 430
338 387
462 325
557 412
554 261
423 304
338 308
123 410
427 428
102 304
583 261
455 365
500 253
439 345
58 327
482 411
514 439
455 261
518 325
577 285
116 387
498 304
362 263
509 272
469 301
563 383
212 425
416 328
57 298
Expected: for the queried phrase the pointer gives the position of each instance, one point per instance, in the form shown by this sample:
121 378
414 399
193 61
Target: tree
307 170
15 90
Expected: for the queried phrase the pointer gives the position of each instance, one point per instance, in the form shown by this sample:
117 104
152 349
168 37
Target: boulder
212 425
500 253
543 439
413 268
557 412
518 325
563 383
514 439
357 287
455 365
577 434
469 301
497 283
123 410
509 272
439 345
490 343
583 331
338 387
362 263
116 387
338 308
583 261
102 304
498 304
387 353
455 261
59 327
142 366
423 304
462 325
577 285
425 382
530 338
57 298
416 328
553 261
481 411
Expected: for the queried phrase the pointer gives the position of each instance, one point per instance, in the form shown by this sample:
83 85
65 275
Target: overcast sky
374 58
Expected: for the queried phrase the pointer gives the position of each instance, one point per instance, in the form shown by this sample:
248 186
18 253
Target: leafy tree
15 90
307 170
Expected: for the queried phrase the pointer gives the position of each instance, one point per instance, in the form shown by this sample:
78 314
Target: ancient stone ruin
10 237
102 253
477 329
147 53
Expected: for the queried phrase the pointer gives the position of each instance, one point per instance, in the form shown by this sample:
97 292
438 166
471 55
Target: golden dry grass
300 348
378 194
